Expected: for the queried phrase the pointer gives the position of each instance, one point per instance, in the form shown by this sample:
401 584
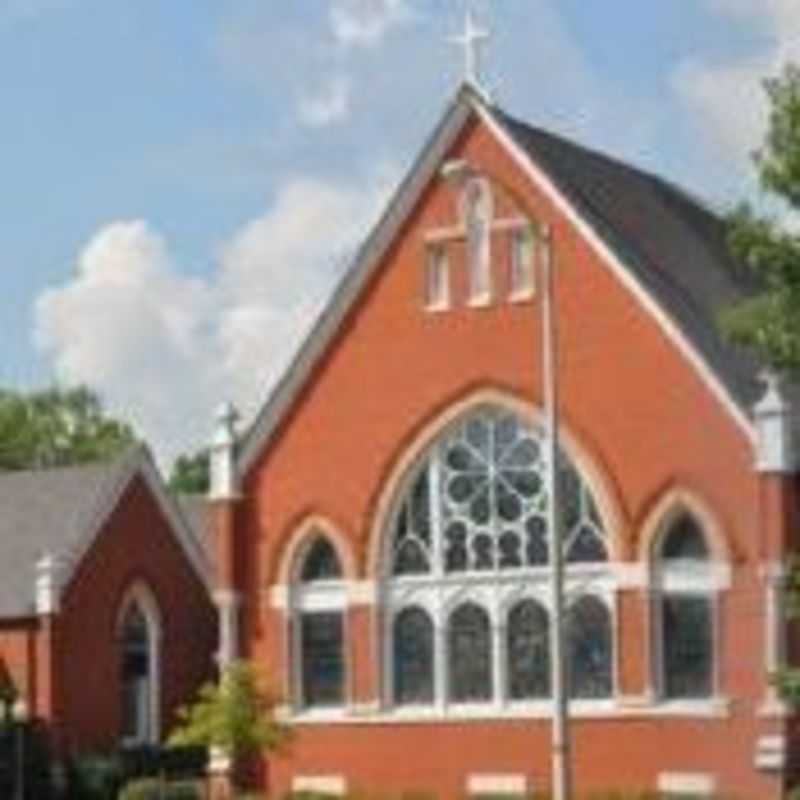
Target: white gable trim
622 273
369 257
139 463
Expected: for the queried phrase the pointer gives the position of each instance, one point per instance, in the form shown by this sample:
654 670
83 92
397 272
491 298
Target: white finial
48 584
224 483
472 40
773 416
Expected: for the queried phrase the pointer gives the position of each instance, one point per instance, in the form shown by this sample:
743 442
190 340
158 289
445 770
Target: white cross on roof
472 40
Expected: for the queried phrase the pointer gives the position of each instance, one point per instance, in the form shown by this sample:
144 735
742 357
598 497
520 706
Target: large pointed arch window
467 575
320 599
139 668
685 612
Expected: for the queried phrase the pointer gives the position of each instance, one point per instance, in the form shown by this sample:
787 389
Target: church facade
382 537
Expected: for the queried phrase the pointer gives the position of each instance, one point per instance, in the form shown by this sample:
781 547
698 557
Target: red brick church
381 530
106 623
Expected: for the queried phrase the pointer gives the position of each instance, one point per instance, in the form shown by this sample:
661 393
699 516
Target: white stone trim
623 274
620 708
329 594
513 784
770 755
689 783
335 785
49 580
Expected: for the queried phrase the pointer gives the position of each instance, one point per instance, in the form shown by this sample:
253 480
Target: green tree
768 321
57 427
235 716
191 473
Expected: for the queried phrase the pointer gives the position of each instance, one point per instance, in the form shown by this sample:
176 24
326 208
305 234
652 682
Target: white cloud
365 23
163 348
328 106
726 97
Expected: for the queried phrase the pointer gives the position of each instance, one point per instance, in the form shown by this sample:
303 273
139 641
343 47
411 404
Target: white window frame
477 207
140 596
687 578
497 594
437 277
522 275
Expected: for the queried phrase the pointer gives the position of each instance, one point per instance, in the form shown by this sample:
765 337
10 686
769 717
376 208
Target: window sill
517 298
485 301
608 709
437 308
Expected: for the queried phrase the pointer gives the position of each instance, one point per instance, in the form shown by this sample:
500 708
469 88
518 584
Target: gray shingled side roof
196 510
675 246
45 511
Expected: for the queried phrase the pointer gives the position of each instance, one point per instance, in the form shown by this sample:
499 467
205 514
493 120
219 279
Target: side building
381 531
106 624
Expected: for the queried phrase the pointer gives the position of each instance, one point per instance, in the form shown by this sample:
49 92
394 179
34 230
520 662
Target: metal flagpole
561 762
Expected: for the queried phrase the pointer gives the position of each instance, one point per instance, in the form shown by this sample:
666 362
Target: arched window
685 610
589 649
470 655
413 661
477 213
478 504
528 651
469 544
139 669
320 601
321 562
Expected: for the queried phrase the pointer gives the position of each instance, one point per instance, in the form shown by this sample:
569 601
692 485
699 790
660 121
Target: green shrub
152 789
94 777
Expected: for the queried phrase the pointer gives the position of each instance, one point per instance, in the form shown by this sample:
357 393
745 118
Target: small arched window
528 651
413 657
470 655
477 213
139 670
321 562
685 612
589 649
320 622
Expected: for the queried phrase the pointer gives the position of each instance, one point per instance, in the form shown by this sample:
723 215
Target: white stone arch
139 595
411 457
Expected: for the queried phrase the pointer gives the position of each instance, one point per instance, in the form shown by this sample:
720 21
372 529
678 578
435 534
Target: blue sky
182 181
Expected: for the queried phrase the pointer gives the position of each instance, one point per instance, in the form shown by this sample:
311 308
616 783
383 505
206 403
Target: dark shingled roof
196 510
45 511
673 244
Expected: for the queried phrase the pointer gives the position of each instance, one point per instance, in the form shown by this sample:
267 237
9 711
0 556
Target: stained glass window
528 651
589 649
321 562
685 541
470 655
413 657
136 679
687 643
479 502
322 658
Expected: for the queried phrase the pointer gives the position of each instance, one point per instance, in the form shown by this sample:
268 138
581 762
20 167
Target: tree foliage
191 473
235 716
57 427
769 320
